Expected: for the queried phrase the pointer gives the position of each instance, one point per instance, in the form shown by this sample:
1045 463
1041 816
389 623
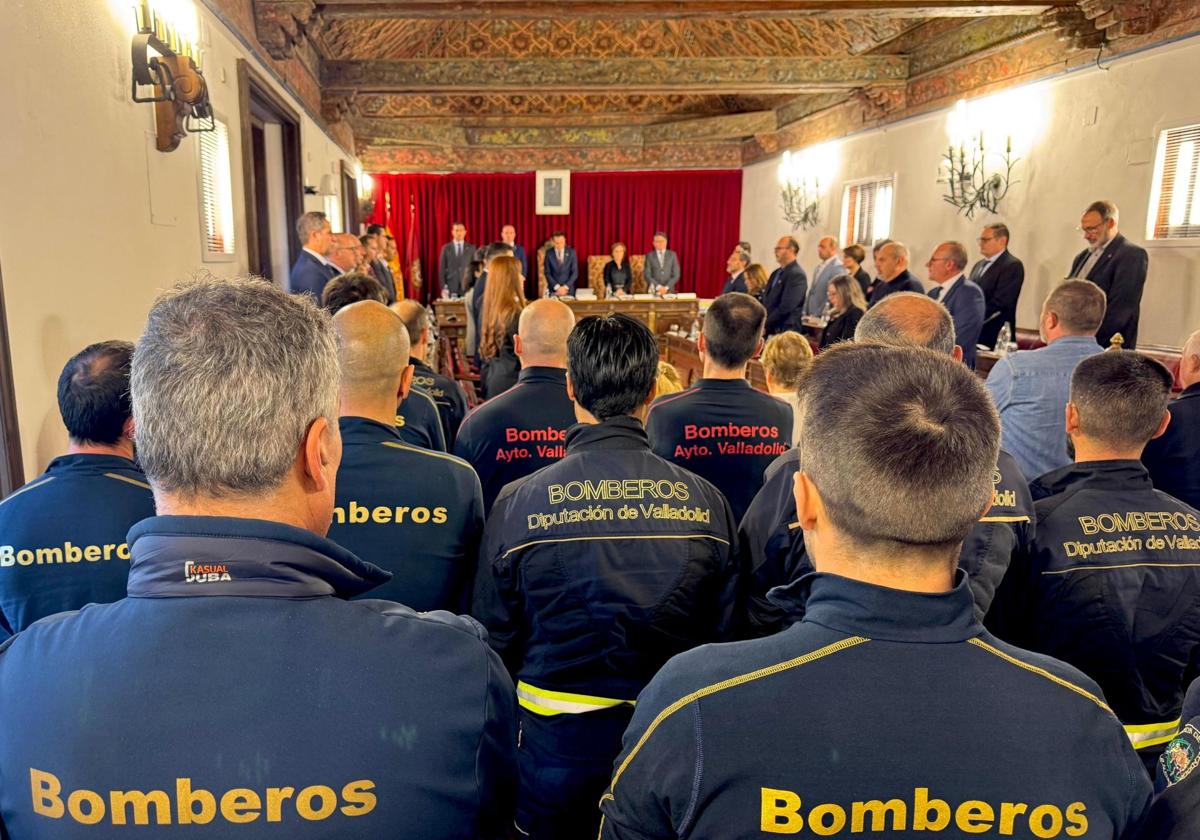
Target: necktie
937 293
979 269
660 259
458 249
559 254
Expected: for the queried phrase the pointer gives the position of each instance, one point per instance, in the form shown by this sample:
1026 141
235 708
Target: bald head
415 318
542 331
373 347
346 249
827 247
907 319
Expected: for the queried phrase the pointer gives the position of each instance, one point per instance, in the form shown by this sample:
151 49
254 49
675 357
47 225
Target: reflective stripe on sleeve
542 701
1146 735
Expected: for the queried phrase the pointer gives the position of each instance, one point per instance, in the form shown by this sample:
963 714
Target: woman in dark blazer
618 276
852 259
848 305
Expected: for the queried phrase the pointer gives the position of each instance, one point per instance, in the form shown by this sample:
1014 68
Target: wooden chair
595 275
637 265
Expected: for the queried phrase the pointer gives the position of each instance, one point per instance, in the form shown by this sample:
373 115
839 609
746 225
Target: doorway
274 187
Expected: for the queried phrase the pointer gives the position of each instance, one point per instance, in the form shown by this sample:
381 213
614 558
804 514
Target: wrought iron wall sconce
180 97
800 193
971 186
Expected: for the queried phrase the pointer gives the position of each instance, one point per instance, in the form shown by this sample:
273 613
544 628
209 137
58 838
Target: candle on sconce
1008 146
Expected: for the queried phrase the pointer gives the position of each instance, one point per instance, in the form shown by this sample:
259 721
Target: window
867 211
216 193
1175 191
333 212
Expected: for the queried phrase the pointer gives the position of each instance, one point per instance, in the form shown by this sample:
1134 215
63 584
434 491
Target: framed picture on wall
553 192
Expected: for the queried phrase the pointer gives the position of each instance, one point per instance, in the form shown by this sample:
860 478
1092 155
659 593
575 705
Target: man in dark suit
1173 460
1001 276
1117 266
456 256
375 243
736 266
508 235
313 269
562 266
891 261
662 266
786 287
959 295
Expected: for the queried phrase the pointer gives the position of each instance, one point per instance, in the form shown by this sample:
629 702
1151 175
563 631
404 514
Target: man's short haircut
659 233
557 234
878 246
956 253
508 224
786 357
226 380
999 230
457 224
415 318
308 224
613 363
1106 209
907 319
1079 305
900 249
1121 396
374 230
367 237
499 249
792 245
743 258
855 252
890 429
744 247
93 392
351 288
733 327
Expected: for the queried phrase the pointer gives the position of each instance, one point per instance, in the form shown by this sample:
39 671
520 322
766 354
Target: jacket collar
1190 391
722 385
242 557
364 430
1121 474
876 612
902 277
421 365
532 375
83 462
622 432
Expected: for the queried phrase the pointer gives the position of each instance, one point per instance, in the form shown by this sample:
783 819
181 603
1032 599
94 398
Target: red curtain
700 211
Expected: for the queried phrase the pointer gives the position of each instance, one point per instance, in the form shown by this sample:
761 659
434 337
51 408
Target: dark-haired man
508 235
784 295
415 513
1030 388
313 269
63 534
1001 276
562 266
888 710
736 267
449 397
773 547
346 289
594 571
722 428
525 428
377 261
1117 266
662 266
1112 579
454 259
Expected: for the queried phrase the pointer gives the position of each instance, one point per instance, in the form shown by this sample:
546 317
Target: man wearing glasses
1117 266
959 295
1001 276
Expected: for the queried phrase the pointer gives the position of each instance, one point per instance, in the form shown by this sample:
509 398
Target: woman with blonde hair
756 281
503 300
668 379
846 305
785 359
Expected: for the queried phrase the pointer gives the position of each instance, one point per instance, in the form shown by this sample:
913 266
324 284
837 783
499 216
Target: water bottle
1003 339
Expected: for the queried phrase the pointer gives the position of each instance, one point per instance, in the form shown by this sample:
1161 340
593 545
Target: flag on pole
412 255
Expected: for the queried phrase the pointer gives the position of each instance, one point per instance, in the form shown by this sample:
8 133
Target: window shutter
868 211
1175 204
216 191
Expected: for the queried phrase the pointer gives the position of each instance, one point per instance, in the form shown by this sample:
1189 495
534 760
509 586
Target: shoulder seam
1041 672
732 682
446 456
33 485
127 480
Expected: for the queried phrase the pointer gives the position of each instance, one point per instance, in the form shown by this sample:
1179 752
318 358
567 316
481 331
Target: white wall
84 244
1074 162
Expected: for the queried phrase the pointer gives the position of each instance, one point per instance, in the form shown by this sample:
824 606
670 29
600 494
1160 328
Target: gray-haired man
313 268
236 684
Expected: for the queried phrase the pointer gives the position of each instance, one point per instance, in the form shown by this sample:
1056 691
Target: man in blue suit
562 266
784 295
313 269
508 235
954 291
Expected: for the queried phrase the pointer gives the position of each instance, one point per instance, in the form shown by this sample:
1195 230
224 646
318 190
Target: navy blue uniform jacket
309 275
447 396
772 544
519 431
1176 811
236 684
63 537
597 569
882 714
415 513
419 421
1111 585
784 298
722 430
1173 460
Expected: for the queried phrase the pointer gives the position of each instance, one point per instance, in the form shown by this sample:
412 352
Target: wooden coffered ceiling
502 84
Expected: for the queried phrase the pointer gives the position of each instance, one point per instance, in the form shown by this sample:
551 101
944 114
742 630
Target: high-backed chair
637 265
595 274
